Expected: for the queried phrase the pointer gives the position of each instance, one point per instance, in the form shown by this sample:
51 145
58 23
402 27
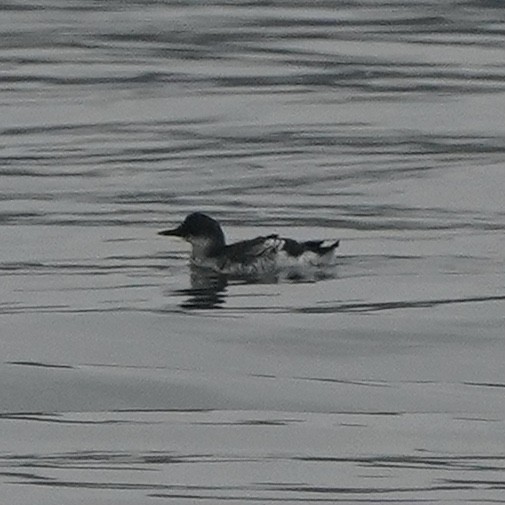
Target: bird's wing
250 250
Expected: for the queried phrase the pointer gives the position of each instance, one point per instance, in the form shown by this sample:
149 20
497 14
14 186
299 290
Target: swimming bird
254 257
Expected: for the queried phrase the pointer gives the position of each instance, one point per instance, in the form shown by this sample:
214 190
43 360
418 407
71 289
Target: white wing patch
273 242
328 243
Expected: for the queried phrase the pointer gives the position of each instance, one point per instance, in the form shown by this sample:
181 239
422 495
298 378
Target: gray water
125 378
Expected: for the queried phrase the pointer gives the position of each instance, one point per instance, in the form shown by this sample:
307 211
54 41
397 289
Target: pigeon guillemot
258 256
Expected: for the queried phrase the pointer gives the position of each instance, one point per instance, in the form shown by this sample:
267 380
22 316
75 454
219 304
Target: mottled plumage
258 256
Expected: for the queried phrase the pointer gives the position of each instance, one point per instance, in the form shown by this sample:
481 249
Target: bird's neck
206 247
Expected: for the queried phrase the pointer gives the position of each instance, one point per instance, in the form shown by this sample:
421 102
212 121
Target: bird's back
270 253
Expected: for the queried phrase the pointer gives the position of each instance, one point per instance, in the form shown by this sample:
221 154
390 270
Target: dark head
201 231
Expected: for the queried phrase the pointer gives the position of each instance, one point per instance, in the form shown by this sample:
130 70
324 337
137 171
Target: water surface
125 378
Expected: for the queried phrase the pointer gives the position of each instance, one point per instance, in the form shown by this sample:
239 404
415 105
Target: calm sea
125 378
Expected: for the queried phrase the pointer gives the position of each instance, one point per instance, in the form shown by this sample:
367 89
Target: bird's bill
176 232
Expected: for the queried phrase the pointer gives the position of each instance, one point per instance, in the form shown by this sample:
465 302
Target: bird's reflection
208 290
